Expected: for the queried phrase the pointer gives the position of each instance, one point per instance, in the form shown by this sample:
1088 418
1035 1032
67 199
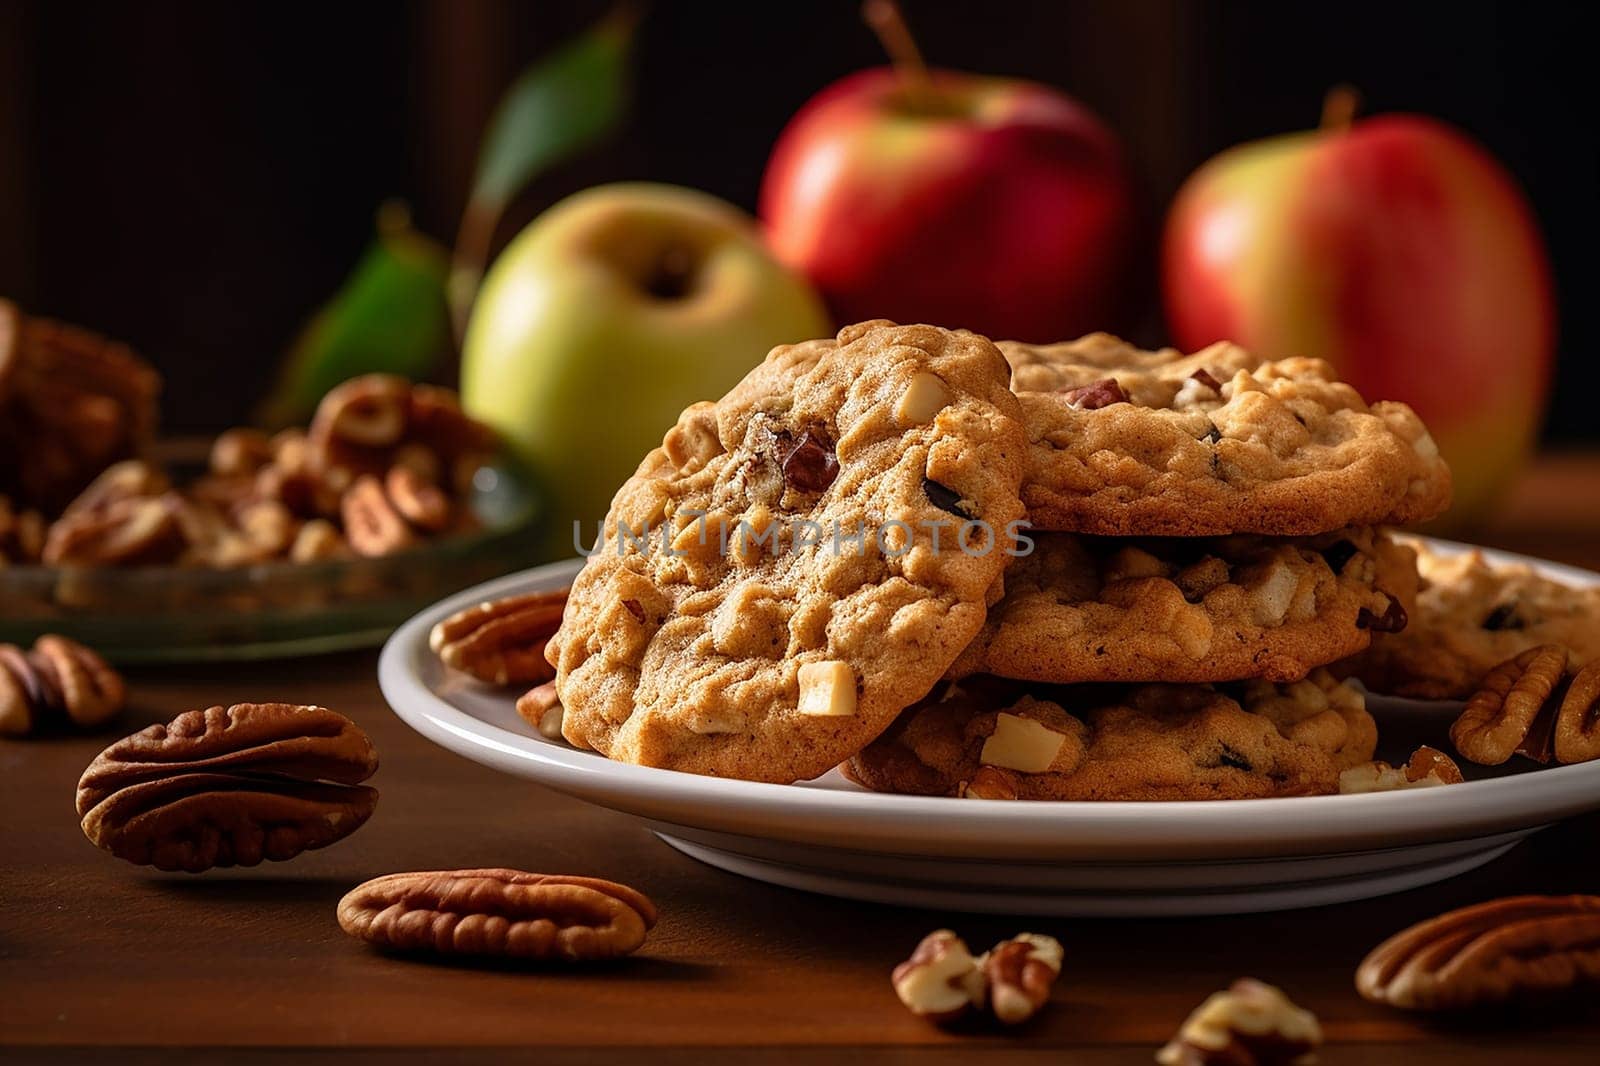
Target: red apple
993 204
1397 249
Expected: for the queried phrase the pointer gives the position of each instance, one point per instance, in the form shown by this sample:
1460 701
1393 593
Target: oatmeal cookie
1152 742
802 579
1127 442
1082 609
1470 616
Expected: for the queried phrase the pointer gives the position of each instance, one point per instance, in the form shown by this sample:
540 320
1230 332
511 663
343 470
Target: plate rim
925 825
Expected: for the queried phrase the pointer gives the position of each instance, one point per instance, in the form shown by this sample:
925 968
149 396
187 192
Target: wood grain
105 962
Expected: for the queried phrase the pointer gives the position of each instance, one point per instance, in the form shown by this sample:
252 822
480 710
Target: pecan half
502 641
130 531
417 498
372 523
1020 973
1096 394
22 533
1534 705
1250 1024
72 403
127 480
1486 953
499 912
369 411
240 452
541 708
58 681
229 787
436 421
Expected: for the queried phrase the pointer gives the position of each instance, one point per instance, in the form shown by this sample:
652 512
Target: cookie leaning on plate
725 643
1153 742
1125 442
1471 615
1190 609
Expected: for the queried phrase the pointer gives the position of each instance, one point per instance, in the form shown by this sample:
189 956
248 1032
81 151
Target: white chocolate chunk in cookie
1021 744
827 689
924 398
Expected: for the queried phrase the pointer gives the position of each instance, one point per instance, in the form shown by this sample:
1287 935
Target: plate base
1131 891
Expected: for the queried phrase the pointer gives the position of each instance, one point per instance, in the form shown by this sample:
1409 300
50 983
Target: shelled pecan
57 682
229 787
540 707
1537 705
137 530
22 533
499 912
71 404
1486 953
502 641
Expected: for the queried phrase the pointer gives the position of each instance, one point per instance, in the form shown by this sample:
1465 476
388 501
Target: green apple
606 317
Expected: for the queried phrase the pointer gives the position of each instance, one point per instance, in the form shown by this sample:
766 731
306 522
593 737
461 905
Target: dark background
196 178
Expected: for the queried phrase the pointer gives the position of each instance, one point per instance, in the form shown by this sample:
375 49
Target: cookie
1127 442
821 545
1080 609
1470 616
1152 742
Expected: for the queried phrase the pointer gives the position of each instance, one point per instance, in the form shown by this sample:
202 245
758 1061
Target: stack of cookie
1207 533
872 551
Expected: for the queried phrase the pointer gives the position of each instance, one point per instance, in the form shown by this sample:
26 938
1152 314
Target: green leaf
390 316
555 109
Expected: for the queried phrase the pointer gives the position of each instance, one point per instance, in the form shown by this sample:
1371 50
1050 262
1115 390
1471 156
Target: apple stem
1339 108
885 19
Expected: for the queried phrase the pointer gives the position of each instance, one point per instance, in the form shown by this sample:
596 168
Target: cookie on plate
820 546
1470 616
1152 742
1127 442
1080 609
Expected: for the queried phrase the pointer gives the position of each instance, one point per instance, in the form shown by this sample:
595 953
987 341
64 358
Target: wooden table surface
103 961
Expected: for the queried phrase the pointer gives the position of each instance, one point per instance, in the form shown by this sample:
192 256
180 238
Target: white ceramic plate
829 836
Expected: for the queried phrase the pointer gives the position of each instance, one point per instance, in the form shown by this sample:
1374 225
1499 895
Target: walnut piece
1096 394
502 641
57 682
1426 768
1020 973
1536 705
499 912
229 787
941 981
990 783
1250 1024
1489 952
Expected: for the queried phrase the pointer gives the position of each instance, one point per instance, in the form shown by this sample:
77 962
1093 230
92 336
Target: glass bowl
268 610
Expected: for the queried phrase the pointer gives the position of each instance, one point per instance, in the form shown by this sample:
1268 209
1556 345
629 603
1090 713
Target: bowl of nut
249 545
